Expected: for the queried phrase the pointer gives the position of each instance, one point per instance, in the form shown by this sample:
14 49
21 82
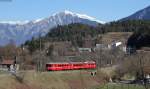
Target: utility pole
40 62
40 54
100 54
23 56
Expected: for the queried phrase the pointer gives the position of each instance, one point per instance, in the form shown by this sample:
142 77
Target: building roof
71 62
69 53
7 62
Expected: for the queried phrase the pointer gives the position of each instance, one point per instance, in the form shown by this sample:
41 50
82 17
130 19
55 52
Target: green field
121 86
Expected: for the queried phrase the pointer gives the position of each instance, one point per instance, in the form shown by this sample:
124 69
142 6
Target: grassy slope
52 80
117 36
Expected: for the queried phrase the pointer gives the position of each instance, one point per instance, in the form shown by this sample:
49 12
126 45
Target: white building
81 50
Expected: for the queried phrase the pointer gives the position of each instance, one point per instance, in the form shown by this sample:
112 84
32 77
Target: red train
70 66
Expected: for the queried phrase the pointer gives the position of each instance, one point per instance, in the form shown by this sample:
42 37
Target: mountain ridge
20 32
84 16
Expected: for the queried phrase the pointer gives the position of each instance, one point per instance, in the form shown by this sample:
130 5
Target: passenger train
58 66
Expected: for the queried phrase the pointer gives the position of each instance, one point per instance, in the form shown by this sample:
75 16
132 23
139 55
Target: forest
76 33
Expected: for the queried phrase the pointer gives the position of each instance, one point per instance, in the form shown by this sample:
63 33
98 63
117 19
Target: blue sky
105 10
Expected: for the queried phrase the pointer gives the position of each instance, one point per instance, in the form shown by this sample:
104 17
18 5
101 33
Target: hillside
53 80
77 33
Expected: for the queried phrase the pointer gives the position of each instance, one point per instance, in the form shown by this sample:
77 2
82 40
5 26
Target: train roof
70 62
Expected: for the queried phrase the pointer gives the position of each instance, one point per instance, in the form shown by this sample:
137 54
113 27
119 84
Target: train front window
48 65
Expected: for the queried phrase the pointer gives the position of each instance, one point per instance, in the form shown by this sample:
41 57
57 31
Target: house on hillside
146 70
81 50
100 47
114 44
7 65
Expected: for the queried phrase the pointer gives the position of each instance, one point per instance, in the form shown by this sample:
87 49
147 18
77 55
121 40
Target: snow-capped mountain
19 32
143 14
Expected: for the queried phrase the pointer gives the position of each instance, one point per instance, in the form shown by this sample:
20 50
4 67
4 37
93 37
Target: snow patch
37 20
83 16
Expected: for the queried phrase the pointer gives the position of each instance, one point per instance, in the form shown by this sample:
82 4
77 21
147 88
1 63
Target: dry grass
117 36
109 70
53 80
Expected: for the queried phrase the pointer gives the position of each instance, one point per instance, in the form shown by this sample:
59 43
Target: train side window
59 65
